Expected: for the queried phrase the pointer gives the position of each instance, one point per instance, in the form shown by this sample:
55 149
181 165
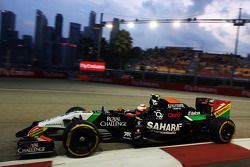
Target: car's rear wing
214 107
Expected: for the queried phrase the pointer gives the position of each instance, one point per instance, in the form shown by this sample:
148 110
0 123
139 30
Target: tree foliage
105 49
88 49
120 47
116 53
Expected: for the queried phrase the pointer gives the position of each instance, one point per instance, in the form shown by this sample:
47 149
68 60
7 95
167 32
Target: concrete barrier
229 91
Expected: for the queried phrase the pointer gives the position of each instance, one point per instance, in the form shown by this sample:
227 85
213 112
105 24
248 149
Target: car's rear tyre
73 109
81 138
222 130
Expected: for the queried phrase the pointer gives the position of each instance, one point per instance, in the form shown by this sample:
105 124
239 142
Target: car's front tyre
81 138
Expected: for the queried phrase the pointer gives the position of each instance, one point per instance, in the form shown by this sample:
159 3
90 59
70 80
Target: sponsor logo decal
222 110
194 113
175 106
54 124
220 106
164 128
113 121
127 135
158 115
34 147
138 124
174 115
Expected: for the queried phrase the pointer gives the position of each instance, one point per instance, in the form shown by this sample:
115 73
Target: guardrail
223 90
28 73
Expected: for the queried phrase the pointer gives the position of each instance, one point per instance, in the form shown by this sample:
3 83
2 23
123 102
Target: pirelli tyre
222 130
81 138
73 109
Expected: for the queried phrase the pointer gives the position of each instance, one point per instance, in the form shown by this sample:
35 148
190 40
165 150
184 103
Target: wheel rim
82 141
227 131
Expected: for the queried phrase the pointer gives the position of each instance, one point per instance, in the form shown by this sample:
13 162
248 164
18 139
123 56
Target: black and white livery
163 121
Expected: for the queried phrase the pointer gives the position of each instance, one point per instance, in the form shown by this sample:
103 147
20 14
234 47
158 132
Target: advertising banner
92 66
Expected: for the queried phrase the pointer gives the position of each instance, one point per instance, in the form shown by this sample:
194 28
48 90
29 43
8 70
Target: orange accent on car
130 115
172 100
45 138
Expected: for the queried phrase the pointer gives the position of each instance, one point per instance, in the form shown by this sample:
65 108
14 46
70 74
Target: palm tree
121 45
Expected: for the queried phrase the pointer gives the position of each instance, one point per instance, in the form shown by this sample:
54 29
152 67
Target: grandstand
189 61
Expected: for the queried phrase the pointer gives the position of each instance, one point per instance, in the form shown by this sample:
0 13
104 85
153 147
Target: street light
153 24
109 25
237 22
227 25
131 25
176 24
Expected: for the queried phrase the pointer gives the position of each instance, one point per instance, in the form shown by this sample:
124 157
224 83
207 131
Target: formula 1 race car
81 131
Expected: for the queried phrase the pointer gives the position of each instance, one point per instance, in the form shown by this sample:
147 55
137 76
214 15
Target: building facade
58 27
40 37
7 23
8 37
74 32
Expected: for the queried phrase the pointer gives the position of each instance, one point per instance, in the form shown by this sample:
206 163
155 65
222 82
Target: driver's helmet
142 108
120 109
155 96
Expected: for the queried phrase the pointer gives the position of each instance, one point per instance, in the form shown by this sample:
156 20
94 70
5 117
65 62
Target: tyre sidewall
84 126
216 130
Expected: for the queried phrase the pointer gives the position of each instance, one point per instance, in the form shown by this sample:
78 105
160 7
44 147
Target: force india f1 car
81 131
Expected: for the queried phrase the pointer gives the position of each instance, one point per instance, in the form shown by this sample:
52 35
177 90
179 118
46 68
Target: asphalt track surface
23 101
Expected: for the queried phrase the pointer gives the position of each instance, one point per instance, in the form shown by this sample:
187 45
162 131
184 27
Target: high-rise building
58 27
90 31
75 32
27 40
56 49
11 52
8 37
57 54
49 42
40 29
69 54
93 34
7 23
92 19
69 48
115 29
40 37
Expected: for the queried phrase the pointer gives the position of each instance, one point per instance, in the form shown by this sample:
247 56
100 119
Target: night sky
215 38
